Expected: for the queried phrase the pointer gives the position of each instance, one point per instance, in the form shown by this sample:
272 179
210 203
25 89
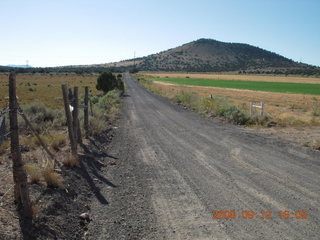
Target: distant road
184 167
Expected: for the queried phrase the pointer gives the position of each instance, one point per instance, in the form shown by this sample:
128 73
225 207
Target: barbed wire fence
11 112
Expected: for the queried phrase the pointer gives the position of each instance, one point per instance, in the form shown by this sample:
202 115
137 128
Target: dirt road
174 168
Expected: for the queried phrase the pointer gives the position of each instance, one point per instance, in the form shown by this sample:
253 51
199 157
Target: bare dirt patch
305 136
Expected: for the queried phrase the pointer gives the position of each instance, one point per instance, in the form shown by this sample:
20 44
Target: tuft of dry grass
34 172
58 142
97 125
4 147
35 142
35 209
70 161
52 178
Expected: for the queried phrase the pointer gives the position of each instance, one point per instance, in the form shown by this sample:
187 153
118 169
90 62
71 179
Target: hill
203 55
207 55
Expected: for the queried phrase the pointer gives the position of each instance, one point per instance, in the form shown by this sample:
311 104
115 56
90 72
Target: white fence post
254 105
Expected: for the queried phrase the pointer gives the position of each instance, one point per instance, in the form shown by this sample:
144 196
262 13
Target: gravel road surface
173 169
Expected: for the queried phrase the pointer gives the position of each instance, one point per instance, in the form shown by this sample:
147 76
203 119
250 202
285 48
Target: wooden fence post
21 191
69 120
251 108
86 111
262 108
75 113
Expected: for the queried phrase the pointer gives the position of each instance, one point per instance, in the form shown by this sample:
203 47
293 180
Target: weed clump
5 145
70 161
34 172
52 178
218 106
39 112
58 142
315 111
105 108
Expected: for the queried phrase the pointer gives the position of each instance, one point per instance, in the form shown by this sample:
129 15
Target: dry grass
70 161
34 172
46 88
97 125
262 78
52 178
4 147
35 209
58 141
35 142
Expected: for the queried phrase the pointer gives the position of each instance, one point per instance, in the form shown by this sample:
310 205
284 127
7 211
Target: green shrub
120 85
106 82
39 113
112 98
188 99
94 99
41 117
233 114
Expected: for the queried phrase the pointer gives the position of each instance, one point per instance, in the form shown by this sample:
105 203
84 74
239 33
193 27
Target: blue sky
69 32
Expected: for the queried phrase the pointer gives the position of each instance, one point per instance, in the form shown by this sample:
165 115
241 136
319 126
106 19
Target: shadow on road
91 168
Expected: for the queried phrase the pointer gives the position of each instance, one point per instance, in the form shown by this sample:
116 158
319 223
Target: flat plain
45 88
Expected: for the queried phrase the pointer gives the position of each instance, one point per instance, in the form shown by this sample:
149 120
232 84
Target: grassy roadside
213 106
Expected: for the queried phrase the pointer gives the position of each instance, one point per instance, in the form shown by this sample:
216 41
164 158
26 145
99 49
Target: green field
285 87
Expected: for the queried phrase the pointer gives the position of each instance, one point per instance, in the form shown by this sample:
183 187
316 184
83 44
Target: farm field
44 88
284 87
259 78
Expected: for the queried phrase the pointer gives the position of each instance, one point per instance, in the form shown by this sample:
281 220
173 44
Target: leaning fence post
86 111
21 191
69 120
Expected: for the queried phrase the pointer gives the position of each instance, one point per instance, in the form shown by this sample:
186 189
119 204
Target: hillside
207 55
203 55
